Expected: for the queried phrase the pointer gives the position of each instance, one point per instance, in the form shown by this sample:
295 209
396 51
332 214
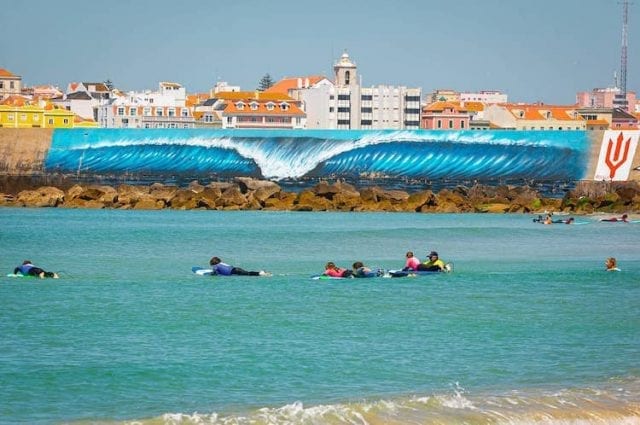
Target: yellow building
20 112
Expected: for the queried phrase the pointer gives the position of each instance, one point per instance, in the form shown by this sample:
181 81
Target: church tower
346 72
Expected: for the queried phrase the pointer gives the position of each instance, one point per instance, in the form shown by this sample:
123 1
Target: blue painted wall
278 154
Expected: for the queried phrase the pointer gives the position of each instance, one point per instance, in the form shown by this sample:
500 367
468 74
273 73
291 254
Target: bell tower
346 72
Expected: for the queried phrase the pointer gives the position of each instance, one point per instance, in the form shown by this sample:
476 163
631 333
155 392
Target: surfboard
388 274
201 271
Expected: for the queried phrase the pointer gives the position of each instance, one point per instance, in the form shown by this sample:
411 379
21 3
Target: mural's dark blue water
508 155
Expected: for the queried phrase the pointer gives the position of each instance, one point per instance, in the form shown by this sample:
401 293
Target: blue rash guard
223 269
24 269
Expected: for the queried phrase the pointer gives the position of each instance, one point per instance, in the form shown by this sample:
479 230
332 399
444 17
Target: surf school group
413 266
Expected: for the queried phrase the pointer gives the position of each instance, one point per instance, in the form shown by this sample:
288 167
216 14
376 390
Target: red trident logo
616 162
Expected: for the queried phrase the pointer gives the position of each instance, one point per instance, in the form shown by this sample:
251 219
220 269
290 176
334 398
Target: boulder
45 196
231 197
129 195
196 186
308 201
248 184
184 199
160 191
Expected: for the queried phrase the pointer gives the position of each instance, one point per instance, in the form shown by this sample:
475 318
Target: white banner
616 155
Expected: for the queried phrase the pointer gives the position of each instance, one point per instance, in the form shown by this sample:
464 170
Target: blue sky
543 50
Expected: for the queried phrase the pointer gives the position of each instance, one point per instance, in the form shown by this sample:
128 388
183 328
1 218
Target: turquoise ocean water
528 328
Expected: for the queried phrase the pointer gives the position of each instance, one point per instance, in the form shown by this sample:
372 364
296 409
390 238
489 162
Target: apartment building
345 104
165 108
10 84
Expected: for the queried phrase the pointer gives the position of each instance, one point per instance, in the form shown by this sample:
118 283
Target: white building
165 108
484 96
345 104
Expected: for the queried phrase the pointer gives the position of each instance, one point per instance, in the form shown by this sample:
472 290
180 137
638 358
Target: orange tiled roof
291 83
442 105
474 106
196 98
15 100
539 112
253 95
231 108
5 73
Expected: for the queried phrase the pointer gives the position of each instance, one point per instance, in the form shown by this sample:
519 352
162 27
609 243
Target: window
11 85
23 117
133 112
461 124
146 112
367 110
344 97
366 122
270 106
1 84
171 112
50 121
184 112
240 106
439 124
159 112
344 109
367 97
347 77
254 106
284 106
120 111
343 122
65 121
450 123
331 109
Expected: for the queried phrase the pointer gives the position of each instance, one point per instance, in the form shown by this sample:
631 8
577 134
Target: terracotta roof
252 95
231 108
474 106
6 74
539 112
442 105
196 98
15 100
291 83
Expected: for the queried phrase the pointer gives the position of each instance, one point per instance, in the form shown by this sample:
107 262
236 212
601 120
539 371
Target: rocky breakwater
251 194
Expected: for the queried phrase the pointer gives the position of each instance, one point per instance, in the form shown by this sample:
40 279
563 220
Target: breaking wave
295 154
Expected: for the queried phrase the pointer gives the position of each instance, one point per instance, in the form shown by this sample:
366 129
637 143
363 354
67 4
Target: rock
45 196
130 195
248 184
196 187
416 201
166 193
308 201
231 197
266 192
184 199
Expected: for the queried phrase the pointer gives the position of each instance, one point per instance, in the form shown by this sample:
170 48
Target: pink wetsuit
334 272
412 263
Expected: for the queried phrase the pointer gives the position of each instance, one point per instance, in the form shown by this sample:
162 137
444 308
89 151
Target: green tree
265 82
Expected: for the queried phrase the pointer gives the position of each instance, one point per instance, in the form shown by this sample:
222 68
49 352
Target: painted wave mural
291 154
